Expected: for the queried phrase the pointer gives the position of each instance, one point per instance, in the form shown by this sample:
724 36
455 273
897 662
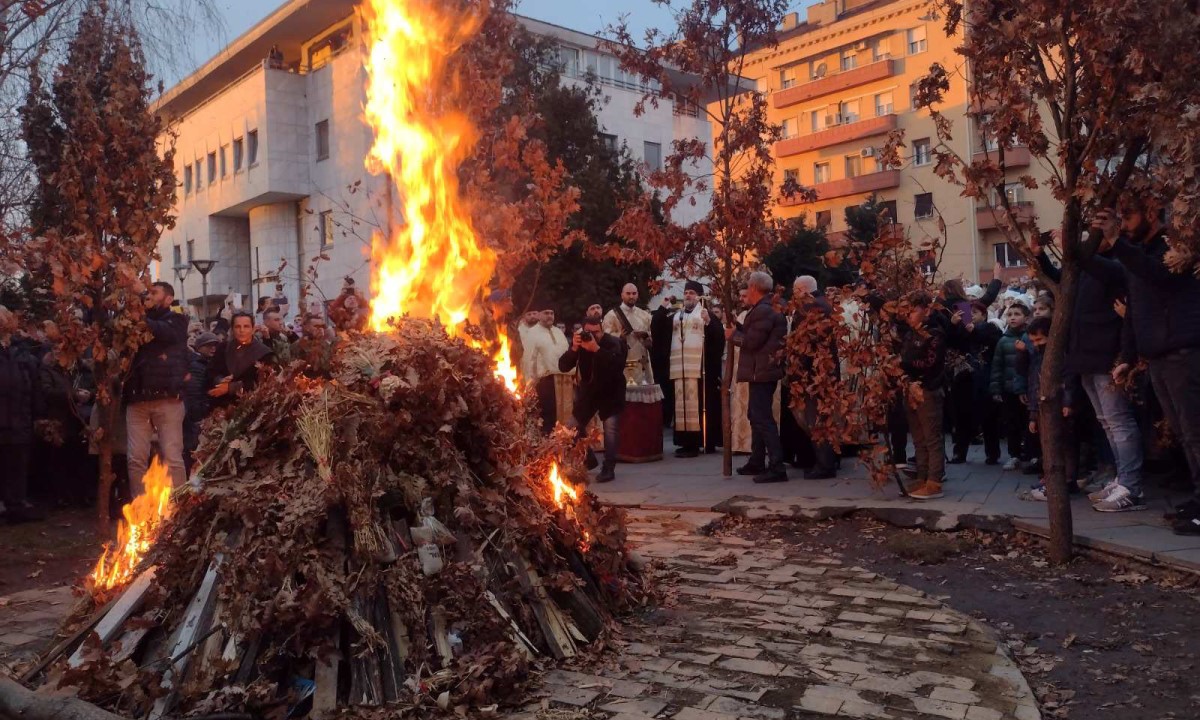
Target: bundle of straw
316 431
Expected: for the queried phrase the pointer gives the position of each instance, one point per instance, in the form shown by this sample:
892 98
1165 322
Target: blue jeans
766 450
1116 416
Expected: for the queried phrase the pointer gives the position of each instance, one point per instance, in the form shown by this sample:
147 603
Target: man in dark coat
714 369
20 403
196 402
1163 319
760 337
154 391
601 389
660 357
805 290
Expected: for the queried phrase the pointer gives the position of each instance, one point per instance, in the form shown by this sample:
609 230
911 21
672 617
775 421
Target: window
917 42
883 104
849 60
791 127
239 151
610 141
820 119
212 167
326 229
187 178
652 154
924 205
199 176
922 155
191 250
568 60
1007 256
252 148
1015 192
853 166
323 140
879 49
887 212
792 175
821 173
177 255
787 77
848 111
824 218
224 159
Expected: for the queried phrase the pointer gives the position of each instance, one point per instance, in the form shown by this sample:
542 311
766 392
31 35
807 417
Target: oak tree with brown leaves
1103 95
104 194
700 62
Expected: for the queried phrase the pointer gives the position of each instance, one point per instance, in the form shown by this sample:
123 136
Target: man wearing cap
632 324
689 329
195 401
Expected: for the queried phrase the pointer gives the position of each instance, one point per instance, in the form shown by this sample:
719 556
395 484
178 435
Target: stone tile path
756 633
750 633
976 494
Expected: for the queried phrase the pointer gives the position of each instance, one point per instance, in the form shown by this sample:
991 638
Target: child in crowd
1008 386
1044 307
983 338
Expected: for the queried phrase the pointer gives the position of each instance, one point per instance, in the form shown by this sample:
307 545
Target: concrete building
839 82
270 150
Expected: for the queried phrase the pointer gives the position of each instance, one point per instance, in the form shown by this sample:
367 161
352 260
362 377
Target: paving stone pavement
749 633
29 621
758 633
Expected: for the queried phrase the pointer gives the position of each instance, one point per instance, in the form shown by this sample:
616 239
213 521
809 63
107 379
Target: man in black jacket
813 305
760 336
20 403
197 403
923 359
601 389
154 391
1163 314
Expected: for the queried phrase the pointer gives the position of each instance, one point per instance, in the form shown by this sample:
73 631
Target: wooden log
17 701
366 685
440 639
549 617
129 642
325 697
524 644
195 620
129 603
583 611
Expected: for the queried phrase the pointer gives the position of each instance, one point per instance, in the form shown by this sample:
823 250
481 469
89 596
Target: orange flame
136 533
561 488
433 266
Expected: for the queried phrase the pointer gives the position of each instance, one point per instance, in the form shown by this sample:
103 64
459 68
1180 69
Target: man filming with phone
601 388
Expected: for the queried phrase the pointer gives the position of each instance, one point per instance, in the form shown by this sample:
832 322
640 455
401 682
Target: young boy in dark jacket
923 358
1008 386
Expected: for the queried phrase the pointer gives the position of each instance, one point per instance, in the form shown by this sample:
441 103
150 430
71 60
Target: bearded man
632 324
696 338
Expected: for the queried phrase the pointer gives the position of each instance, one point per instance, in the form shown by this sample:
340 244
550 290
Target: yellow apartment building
844 77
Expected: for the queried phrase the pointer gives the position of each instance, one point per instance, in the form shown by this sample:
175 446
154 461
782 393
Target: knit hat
205 338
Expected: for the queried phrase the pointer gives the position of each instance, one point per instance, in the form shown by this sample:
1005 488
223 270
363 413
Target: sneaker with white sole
1037 493
1120 500
1103 492
1012 464
1100 477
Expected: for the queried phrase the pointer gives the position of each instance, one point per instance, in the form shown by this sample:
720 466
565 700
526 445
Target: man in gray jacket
760 336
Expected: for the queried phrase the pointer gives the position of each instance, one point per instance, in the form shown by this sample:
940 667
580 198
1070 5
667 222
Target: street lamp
181 273
205 267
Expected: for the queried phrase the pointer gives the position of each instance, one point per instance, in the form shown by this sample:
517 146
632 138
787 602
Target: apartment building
839 82
270 149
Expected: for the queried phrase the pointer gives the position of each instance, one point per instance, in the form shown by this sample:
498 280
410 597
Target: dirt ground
1096 638
58 550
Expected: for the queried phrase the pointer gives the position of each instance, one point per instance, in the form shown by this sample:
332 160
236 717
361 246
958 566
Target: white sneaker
1104 492
1012 464
1036 494
1120 500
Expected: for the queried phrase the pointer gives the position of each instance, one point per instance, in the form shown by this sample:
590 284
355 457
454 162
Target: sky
590 17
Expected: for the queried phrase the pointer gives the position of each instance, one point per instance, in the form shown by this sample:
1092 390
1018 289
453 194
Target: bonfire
392 535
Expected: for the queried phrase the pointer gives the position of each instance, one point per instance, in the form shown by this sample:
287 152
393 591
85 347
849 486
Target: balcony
847 132
895 230
861 185
1017 157
987 217
833 83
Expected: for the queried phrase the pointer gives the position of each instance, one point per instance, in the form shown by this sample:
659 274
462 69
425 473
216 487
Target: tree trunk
1052 425
104 447
727 377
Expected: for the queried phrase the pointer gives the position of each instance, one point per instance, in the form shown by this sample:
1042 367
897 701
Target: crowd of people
184 371
971 358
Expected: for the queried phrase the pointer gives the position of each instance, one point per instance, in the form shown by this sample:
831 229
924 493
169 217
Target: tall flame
432 265
561 488
137 532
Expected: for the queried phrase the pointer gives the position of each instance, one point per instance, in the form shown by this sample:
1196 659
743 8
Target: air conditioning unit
861 45
867 152
832 120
